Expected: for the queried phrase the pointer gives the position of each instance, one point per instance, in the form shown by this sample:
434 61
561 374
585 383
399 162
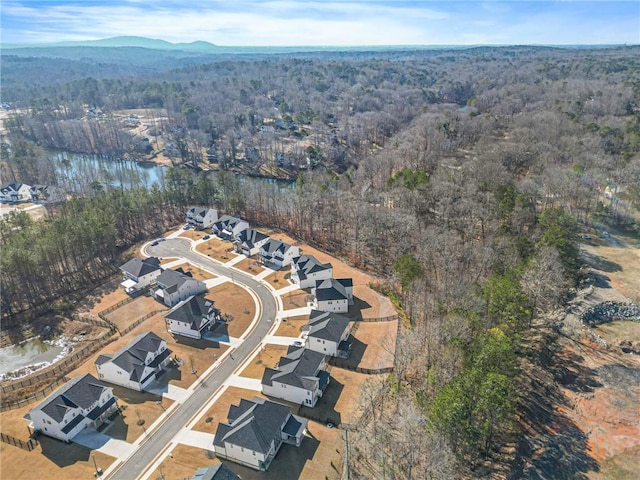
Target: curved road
136 464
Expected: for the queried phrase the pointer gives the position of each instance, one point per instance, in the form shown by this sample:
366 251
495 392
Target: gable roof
273 246
171 280
298 369
333 289
251 236
307 264
199 212
227 221
253 424
12 187
139 267
327 325
131 358
215 472
193 311
79 392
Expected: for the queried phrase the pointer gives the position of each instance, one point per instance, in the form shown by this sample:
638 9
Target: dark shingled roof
192 311
132 356
139 267
298 368
307 264
253 424
171 280
215 472
227 222
327 325
251 236
79 392
331 289
274 245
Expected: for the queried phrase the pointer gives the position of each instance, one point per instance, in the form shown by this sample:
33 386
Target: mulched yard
267 358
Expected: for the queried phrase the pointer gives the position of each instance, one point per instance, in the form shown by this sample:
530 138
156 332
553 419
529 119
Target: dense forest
462 178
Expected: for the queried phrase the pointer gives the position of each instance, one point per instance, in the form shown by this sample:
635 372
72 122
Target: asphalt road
160 438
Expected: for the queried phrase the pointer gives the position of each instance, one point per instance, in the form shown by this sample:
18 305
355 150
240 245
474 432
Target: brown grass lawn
113 295
197 273
194 234
292 326
235 301
218 249
51 459
250 265
167 260
295 299
184 462
218 412
139 406
342 397
277 279
374 344
267 358
129 313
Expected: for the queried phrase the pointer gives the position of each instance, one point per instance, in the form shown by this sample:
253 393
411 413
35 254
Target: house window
45 429
241 449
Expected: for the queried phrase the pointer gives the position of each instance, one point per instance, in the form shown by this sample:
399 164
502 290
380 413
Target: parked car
298 343
206 237
186 226
154 243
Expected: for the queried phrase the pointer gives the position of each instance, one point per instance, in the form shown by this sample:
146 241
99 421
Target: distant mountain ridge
125 41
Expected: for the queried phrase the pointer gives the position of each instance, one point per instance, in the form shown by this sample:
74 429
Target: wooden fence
32 398
340 363
28 446
389 318
139 321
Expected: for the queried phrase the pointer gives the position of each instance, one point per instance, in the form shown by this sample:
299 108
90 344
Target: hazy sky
317 22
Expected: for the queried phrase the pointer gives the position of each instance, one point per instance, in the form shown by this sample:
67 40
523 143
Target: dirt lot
197 273
129 313
374 344
292 326
267 358
218 249
234 301
250 265
184 462
279 278
51 459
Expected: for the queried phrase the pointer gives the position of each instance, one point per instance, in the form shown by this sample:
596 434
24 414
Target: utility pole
346 453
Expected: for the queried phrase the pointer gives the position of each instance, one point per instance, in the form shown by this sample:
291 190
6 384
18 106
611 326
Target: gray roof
79 392
251 236
139 267
131 358
193 310
253 424
227 221
307 264
274 245
171 280
333 289
215 472
299 368
327 325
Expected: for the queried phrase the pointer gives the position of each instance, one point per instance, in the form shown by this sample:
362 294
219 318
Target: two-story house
15 192
249 242
192 317
201 218
277 254
139 273
228 227
306 270
299 377
137 364
333 295
255 430
328 333
173 286
82 402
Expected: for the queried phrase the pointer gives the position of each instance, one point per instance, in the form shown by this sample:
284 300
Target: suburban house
173 286
215 472
299 377
228 227
15 192
249 242
192 317
82 402
255 431
333 295
277 254
306 270
201 218
136 364
328 333
139 273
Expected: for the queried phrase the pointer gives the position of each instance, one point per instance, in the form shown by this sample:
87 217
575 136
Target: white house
306 270
277 254
173 286
255 431
333 295
140 273
299 377
82 402
328 333
201 218
249 242
137 364
15 192
228 227
192 317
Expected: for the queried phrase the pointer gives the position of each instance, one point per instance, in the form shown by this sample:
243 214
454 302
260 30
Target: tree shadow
325 410
598 263
552 446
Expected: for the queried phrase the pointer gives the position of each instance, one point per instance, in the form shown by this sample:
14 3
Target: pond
30 355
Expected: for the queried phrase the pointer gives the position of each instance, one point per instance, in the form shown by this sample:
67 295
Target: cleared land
194 234
292 326
374 345
218 412
295 299
279 278
138 308
217 249
183 462
267 358
197 273
250 265
234 301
